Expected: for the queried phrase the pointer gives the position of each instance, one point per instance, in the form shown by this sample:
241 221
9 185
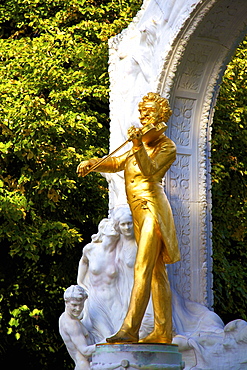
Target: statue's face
74 308
109 230
149 113
126 226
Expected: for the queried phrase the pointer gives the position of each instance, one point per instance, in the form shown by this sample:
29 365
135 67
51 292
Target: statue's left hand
135 135
85 166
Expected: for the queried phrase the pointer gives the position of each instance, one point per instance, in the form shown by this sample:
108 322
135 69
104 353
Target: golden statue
144 168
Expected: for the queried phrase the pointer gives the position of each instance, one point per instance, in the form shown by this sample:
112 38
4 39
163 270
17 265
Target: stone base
137 356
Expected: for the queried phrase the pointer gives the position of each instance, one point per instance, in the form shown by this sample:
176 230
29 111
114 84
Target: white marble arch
179 49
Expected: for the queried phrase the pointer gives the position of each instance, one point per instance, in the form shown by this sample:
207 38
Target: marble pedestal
137 356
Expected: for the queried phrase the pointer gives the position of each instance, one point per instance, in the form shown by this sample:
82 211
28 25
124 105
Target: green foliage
53 113
229 174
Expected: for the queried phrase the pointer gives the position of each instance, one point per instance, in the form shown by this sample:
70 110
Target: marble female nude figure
98 274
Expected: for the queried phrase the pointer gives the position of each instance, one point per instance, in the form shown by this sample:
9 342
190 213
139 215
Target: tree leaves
229 139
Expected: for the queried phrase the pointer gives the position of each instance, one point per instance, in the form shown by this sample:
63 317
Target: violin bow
102 160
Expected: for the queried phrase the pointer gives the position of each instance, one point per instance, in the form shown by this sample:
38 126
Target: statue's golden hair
160 103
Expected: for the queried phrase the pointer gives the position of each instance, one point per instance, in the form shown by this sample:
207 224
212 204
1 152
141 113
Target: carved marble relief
222 20
194 67
181 121
179 198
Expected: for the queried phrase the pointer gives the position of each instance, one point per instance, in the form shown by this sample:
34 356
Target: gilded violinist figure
144 167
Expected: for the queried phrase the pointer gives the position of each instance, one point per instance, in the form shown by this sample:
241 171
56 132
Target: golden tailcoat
144 167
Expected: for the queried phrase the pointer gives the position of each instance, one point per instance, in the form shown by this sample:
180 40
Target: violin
151 131
148 133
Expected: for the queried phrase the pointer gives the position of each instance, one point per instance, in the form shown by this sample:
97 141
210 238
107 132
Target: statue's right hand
84 167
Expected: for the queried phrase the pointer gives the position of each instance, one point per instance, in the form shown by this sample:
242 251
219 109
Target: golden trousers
150 276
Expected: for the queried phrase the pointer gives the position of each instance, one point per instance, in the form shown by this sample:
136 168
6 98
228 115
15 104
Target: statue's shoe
122 337
154 338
